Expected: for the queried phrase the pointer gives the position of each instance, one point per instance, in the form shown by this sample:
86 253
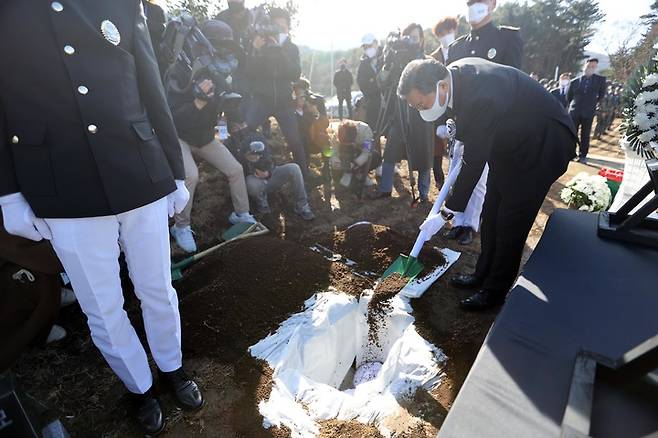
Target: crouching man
356 152
90 159
263 176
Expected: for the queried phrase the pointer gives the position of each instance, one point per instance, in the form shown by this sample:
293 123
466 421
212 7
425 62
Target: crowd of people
124 147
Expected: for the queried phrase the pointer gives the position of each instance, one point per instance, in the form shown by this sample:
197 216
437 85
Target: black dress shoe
148 412
454 233
185 390
482 300
465 281
466 237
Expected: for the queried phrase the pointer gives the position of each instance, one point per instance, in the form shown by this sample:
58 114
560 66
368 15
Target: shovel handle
420 241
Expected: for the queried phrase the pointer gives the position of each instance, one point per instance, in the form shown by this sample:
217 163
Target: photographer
409 137
366 77
312 119
271 68
356 152
195 114
262 175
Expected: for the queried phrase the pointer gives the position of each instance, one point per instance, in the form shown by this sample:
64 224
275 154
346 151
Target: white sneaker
397 168
67 297
235 218
369 182
378 171
346 179
184 238
57 333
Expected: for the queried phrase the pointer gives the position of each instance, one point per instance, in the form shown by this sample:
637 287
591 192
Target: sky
340 24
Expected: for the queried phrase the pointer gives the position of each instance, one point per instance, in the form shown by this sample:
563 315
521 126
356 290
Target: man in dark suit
89 158
562 90
510 121
343 81
585 92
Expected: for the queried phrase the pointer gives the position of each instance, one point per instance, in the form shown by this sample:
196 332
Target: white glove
19 219
435 222
442 131
178 199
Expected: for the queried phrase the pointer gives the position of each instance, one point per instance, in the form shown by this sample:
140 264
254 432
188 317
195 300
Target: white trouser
470 217
89 251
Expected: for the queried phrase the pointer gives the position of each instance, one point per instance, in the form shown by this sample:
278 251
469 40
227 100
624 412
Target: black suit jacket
77 152
508 119
502 45
582 102
562 98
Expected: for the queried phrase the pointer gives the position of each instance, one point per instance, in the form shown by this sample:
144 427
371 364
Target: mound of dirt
344 429
379 306
375 247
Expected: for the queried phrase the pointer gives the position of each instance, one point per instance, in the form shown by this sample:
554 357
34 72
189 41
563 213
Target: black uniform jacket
502 45
583 100
84 125
508 119
562 98
366 76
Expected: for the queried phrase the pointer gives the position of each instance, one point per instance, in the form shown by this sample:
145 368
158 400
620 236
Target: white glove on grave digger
178 199
435 222
19 219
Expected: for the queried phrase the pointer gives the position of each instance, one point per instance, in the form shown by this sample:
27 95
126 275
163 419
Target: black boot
466 237
465 281
185 391
148 412
483 299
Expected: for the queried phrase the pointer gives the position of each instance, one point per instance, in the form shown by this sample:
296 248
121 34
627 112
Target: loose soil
380 306
236 297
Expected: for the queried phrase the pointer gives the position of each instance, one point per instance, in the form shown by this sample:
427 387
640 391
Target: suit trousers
219 157
89 249
470 217
507 219
348 101
585 126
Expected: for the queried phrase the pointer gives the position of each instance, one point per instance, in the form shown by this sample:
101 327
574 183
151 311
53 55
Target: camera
399 51
263 26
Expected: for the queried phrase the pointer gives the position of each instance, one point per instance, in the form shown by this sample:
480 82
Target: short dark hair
413 26
421 74
593 60
446 24
347 132
280 13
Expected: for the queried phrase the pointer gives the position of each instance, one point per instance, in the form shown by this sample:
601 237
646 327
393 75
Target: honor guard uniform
89 158
502 45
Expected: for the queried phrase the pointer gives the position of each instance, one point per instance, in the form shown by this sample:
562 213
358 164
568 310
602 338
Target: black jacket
343 81
366 77
562 98
582 99
502 45
76 152
508 119
271 73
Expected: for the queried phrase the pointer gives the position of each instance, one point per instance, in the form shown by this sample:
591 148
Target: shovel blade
406 266
235 230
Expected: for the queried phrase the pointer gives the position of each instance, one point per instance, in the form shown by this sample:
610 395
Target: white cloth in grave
470 217
89 250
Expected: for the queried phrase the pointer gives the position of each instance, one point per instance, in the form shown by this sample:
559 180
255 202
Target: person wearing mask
510 121
366 78
90 160
263 176
271 68
407 127
356 152
343 81
239 18
195 113
499 44
585 93
445 31
562 91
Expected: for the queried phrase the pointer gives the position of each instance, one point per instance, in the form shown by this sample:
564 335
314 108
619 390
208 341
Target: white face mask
371 52
437 109
282 38
477 12
564 82
447 39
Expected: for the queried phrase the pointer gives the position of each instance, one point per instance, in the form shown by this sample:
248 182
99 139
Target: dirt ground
239 295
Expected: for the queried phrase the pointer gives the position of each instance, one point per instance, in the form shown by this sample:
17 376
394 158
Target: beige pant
221 159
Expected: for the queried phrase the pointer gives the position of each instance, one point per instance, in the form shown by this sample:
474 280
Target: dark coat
583 100
271 73
509 120
562 98
438 55
343 81
366 77
502 45
82 152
